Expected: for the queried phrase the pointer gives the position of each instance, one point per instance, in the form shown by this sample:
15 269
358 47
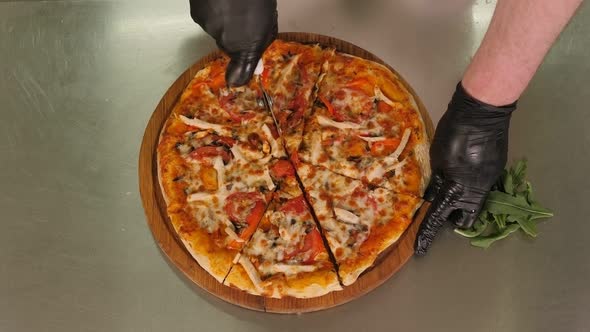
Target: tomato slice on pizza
244 210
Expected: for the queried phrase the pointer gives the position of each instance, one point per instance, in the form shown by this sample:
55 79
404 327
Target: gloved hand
242 28
467 156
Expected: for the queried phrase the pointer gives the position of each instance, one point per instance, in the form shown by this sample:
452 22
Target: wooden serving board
155 208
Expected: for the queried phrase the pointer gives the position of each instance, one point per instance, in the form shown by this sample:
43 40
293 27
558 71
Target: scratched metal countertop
78 82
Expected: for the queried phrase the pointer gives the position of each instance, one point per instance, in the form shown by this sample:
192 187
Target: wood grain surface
155 208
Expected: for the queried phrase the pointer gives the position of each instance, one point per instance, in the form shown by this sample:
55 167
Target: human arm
520 35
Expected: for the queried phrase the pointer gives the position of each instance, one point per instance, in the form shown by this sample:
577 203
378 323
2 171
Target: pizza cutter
268 104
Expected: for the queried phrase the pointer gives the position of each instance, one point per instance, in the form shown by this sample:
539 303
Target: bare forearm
519 37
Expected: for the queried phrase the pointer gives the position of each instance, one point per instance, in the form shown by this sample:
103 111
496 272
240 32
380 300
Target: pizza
298 196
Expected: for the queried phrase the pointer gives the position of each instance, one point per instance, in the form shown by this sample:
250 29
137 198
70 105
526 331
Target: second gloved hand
468 154
242 28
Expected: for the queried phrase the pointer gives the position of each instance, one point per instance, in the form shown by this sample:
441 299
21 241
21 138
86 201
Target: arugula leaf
500 220
528 192
519 172
502 203
527 224
487 241
508 183
509 207
481 224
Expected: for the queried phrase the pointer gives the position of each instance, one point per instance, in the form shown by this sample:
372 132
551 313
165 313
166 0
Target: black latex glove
467 156
242 28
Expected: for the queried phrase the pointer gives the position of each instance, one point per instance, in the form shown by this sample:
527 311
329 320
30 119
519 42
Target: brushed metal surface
78 82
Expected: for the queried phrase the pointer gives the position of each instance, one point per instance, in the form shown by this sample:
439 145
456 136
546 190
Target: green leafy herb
500 220
508 183
519 172
509 207
529 193
478 228
486 241
503 203
527 224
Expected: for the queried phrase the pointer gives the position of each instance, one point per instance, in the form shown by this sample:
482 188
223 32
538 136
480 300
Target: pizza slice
237 116
359 222
196 139
290 74
286 255
214 202
214 199
366 126
213 161
208 98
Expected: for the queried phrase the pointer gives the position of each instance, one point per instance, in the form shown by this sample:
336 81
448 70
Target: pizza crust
304 285
379 241
422 154
239 278
159 166
215 260
422 148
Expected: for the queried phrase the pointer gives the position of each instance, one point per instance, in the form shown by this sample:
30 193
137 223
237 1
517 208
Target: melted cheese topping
291 234
259 245
349 216
248 155
207 215
243 176
209 206
285 235
286 75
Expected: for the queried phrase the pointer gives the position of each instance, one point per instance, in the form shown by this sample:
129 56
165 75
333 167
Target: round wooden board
155 208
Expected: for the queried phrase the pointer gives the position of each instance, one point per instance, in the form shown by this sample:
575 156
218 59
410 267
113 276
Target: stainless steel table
78 82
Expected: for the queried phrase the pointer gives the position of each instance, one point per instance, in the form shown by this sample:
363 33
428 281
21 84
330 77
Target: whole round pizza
294 184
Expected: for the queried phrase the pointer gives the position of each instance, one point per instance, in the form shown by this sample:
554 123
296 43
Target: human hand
242 28
468 154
